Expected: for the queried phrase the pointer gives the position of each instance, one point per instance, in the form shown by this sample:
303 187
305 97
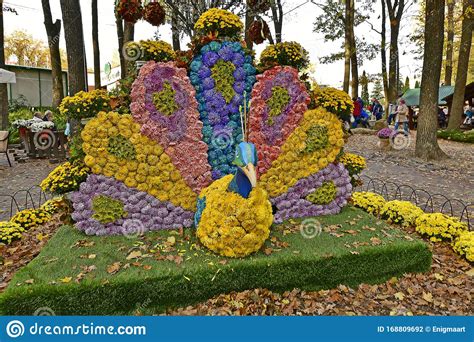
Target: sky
298 26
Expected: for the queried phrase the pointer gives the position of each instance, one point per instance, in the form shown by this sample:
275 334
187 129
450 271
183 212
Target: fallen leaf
65 280
134 255
438 276
399 295
114 268
29 281
427 296
92 256
171 240
375 241
268 251
147 267
470 272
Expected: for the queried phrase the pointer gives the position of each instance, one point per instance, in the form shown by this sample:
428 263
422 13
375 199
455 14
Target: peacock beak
251 174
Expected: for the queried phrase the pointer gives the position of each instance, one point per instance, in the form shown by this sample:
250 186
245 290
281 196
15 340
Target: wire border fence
34 197
428 202
31 198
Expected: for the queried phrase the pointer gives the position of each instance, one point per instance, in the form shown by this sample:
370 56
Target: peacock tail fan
164 104
279 101
223 76
116 148
106 206
311 147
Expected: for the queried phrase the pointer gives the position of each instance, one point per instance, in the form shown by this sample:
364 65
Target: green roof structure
412 96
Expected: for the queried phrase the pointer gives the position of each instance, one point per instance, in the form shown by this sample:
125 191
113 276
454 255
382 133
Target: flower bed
219 23
163 102
400 212
286 53
65 178
85 104
223 77
334 101
368 201
323 193
279 101
174 270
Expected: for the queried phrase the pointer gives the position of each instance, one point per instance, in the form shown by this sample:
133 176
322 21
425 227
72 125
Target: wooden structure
468 96
46 144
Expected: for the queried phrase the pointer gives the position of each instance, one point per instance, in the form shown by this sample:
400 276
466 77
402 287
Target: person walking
402 116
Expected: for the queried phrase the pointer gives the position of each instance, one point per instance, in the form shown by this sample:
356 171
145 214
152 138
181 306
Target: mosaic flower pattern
164 103
105 206
279 101
223 76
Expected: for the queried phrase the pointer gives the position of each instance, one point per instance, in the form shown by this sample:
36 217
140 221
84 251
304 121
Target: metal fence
31 198
34 197
429 203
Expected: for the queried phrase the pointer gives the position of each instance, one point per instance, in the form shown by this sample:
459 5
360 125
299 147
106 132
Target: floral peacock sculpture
190 154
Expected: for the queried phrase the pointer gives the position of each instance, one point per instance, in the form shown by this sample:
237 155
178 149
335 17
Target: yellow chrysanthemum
231 225
123 153
311 147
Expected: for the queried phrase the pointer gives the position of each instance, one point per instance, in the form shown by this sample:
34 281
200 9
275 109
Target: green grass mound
79 275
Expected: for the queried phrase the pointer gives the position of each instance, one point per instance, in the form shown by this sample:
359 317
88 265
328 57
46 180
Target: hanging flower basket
129 10
259 6
259 31
154 13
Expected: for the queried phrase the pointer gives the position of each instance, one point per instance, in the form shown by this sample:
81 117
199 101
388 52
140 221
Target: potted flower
384 136
154 13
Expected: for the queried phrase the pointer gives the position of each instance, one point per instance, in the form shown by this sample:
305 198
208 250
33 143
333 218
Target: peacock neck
240 184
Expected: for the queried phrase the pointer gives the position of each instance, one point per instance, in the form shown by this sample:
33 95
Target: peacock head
246 159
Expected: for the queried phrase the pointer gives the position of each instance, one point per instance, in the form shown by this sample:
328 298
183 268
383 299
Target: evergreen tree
377 91
417 84
406 86
364 82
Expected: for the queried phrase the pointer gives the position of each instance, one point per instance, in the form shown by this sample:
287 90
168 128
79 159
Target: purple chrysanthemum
143 212
295 202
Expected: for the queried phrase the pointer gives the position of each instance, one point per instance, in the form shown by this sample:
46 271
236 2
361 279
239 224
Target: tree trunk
249 18
354 66
393 63
347 47
3 86
383 54
77 67
175 33
53 31
128 36
448 70
119 25
95 44
277 14
426 141
455 119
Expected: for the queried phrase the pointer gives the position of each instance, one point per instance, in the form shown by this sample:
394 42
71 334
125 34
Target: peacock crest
217 147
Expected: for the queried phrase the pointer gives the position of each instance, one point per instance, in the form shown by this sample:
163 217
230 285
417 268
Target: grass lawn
78 275
457 136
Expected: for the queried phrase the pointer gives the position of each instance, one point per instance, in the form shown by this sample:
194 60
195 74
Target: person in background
469 112
357 112
377 109
38 116
402 116
48 116
441 118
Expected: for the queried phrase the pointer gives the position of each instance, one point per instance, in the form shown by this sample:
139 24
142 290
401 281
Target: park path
452 177
20 177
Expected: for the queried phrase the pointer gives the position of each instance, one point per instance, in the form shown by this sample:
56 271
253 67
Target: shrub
464 245
401 212
10 231
85 104
65 178
287 53
466 137
219 23
333 100
368 201
439 226
30 218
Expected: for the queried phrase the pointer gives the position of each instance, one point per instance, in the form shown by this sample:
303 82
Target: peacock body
182 159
